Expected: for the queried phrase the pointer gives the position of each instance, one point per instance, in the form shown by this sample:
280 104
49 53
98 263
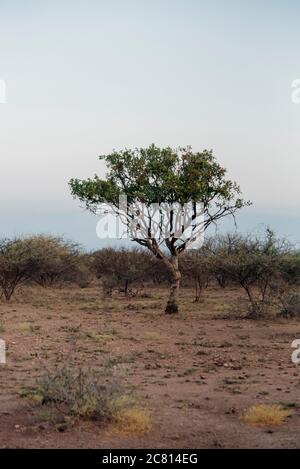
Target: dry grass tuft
153 335
131 421
266 415
27 327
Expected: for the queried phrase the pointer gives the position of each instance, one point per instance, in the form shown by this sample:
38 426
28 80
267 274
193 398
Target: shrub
45 260
266 415
96 394
120 268
109 283
285 286
253 263
221 247
19 262
195 267
289 267
60 260
290 305
132 421
156 271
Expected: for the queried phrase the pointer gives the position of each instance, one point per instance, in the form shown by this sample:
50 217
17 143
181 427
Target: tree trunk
172 306
198 288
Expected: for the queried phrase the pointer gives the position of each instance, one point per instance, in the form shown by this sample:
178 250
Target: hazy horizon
83 79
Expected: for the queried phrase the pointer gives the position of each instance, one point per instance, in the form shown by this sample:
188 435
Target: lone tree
166 198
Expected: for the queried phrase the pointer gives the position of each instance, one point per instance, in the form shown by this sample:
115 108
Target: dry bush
290 304
81 272
60 260
156 271
266 415
19 262
195 268
109 284
132 421
220 247
90 393
287 287
45 260
120 268
254 264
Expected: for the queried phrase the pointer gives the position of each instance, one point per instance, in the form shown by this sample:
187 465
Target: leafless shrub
254 264
195 267
219 247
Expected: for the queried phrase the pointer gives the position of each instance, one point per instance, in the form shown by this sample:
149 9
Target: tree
166 198
19 260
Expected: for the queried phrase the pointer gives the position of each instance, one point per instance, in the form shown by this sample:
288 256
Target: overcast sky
84 77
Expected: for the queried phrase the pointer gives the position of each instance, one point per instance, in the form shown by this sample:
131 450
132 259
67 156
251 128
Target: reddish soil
195 372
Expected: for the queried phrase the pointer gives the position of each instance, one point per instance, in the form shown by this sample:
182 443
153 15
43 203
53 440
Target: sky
85 77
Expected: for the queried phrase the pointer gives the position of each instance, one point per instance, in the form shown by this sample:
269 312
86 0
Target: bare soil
196 372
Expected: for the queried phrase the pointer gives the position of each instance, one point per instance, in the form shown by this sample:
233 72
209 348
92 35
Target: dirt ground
195 373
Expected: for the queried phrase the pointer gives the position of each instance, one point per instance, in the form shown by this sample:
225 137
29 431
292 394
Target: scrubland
192 377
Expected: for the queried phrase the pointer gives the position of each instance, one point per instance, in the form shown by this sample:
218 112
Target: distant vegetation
44 260
265 268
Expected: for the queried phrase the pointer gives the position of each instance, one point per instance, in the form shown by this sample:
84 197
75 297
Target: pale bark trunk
172 305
